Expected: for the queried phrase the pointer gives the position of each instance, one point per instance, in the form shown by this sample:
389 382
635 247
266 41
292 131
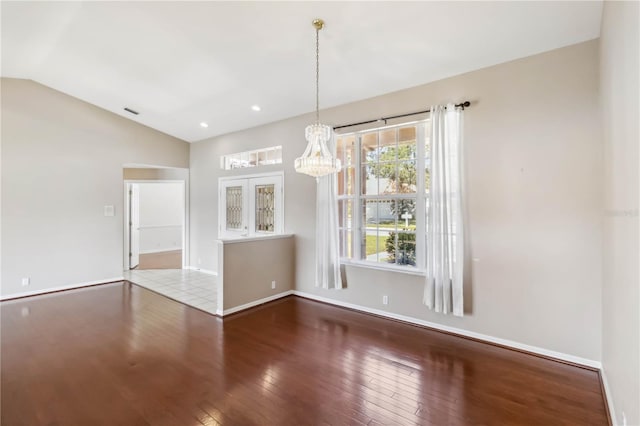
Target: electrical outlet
199 261
26 281
273 284
385 300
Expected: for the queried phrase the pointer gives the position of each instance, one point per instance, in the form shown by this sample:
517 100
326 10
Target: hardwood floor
121 355
161 260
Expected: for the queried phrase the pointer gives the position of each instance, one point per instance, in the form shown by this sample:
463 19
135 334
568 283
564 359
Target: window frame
358 201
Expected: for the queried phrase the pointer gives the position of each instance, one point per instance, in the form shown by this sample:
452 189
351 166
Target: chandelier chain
317 75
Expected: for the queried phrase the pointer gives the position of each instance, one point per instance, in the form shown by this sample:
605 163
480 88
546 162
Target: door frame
185 219
132 188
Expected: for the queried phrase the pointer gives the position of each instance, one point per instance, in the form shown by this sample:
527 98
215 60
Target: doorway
155 225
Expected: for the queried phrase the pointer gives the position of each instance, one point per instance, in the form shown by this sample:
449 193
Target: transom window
259 157
382 190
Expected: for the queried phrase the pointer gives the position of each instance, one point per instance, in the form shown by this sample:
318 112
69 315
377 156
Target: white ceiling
180 63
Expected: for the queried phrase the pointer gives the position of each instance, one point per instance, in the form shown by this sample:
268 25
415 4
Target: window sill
380 267
254 238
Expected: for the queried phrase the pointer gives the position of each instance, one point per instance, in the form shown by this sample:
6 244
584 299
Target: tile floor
192 288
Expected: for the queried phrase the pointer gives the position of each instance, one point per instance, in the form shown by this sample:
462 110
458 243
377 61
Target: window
250 206
260 157
382 190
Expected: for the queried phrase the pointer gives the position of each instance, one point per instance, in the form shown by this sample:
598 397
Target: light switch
109 211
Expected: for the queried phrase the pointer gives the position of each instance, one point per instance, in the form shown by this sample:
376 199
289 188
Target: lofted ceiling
182 63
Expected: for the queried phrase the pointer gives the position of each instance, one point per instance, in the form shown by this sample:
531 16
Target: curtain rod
462 105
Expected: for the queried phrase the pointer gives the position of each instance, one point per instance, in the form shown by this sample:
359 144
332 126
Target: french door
250 206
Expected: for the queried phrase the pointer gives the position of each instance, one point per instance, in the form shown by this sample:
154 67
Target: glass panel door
267 204
234 208
234 211
250 206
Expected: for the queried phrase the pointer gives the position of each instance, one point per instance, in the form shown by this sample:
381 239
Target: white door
250 206
134 225
234 209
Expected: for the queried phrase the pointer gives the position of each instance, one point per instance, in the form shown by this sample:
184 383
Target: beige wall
250 267
620 90
534 198
62 162
155 174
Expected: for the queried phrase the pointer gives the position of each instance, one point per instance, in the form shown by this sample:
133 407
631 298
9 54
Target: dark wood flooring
118 354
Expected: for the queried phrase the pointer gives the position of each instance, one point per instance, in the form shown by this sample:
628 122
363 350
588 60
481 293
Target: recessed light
203 124
256 107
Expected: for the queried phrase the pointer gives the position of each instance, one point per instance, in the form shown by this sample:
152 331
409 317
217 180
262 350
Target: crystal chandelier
317 159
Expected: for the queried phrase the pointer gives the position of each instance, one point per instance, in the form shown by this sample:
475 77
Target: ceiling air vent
131 111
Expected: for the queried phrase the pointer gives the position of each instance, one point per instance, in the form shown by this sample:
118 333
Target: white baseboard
608 398
204 271
255 303
54 289
160 250
459 331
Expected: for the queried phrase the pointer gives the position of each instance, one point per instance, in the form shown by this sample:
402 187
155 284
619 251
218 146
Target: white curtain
327 237
445 233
